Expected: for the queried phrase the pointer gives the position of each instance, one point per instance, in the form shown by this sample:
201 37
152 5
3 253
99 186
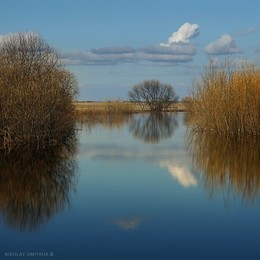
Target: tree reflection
35 185
229 164
153 127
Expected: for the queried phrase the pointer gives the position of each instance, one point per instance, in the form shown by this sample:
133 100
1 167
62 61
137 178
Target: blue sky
113 44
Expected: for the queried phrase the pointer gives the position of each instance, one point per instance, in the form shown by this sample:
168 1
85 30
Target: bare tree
36 93
153 95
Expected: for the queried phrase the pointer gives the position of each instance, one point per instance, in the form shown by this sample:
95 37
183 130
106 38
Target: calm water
139 188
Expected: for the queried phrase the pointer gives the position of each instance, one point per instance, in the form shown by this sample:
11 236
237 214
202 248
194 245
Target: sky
111 45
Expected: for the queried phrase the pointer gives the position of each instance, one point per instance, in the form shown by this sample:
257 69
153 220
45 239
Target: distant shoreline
101 106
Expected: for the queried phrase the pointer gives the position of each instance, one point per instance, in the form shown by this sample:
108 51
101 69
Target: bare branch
153 95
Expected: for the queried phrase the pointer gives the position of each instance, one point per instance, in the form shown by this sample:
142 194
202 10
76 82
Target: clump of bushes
227 100
36 94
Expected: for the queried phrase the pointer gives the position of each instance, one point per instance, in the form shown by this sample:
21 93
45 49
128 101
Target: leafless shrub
153 95
36 93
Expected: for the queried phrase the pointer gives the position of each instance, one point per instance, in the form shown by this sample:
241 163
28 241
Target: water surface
135 188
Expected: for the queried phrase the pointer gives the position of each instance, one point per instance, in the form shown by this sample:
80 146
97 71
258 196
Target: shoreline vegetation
38 105
226 100
115 113
119 107
36 94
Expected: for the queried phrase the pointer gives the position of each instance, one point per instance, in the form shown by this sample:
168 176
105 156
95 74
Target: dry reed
227 100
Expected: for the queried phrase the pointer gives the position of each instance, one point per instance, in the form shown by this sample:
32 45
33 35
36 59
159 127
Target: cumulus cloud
222 46
186 32
176 50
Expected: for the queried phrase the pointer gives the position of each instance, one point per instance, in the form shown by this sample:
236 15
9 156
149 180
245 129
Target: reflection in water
128 224
35 185
93 120
229 164
181 173
151 128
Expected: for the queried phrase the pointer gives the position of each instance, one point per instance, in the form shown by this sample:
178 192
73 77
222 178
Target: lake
136 187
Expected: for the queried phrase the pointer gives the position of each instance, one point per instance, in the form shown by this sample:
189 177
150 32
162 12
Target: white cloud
186 32
222 46
176 50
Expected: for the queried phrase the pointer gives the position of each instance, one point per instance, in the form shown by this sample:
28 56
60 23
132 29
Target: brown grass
117 107
227 101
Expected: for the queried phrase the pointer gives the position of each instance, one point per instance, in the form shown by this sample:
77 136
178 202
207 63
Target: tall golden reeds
227 100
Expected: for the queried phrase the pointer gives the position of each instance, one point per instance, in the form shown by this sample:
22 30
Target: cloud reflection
127 224
181 173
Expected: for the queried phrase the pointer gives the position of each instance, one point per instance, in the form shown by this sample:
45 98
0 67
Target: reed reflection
90 121
228 164
35 185
153 127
